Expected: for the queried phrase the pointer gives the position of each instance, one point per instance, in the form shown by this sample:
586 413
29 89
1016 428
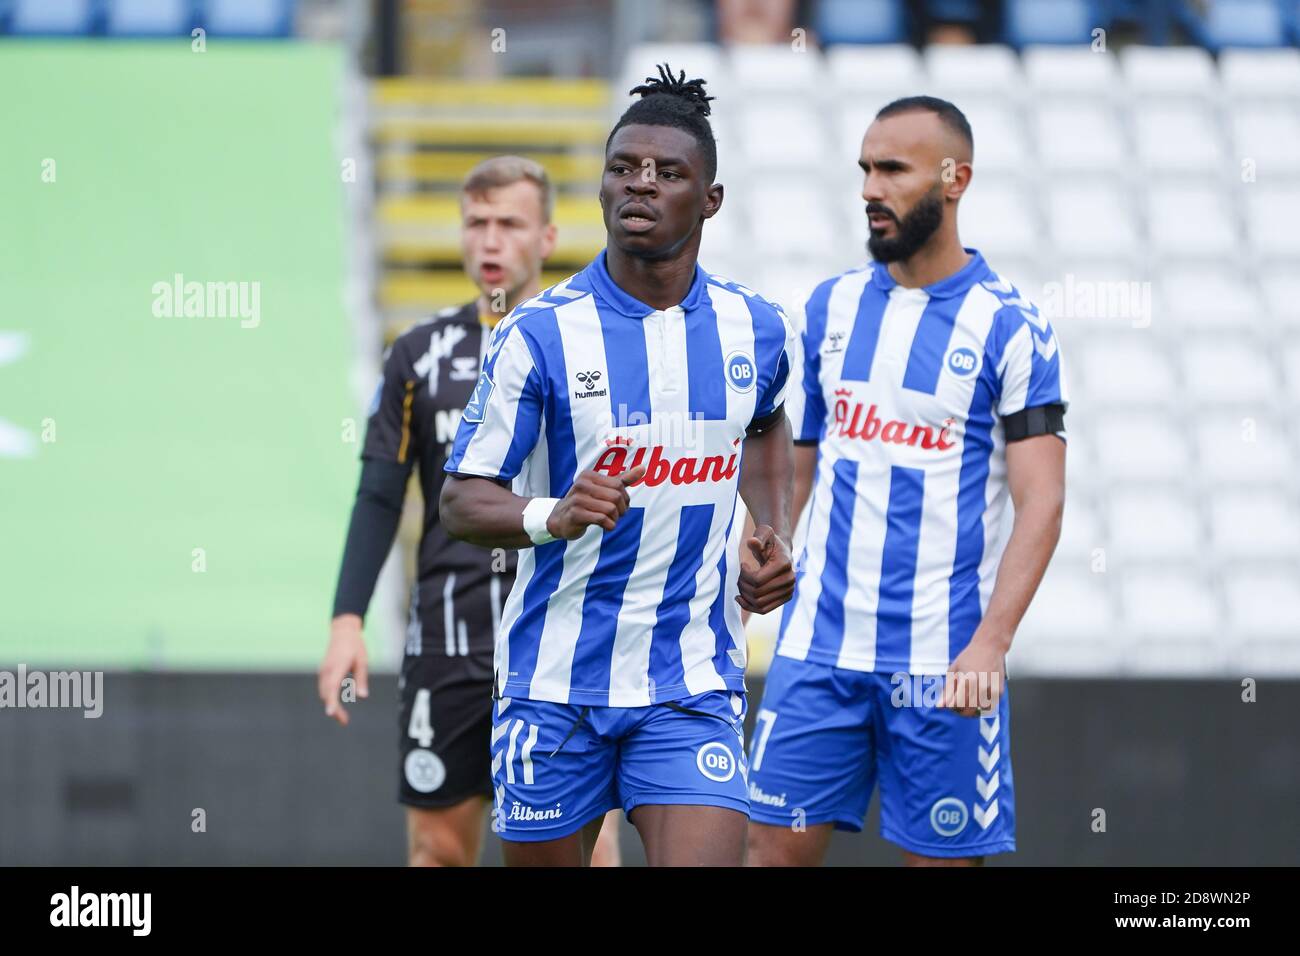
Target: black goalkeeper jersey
429 372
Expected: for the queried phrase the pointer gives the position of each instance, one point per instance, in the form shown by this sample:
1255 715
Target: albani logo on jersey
858 421
687 470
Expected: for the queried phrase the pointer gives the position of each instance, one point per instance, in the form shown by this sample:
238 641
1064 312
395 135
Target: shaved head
916 156
953 120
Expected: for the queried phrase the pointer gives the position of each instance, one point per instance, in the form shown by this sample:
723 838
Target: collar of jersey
608 291
956 284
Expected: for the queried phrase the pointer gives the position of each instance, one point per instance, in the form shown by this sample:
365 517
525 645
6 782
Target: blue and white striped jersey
585 376
905 390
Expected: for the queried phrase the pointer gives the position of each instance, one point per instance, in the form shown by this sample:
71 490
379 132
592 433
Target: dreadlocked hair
677 102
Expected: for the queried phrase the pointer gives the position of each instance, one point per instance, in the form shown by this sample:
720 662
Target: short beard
914 231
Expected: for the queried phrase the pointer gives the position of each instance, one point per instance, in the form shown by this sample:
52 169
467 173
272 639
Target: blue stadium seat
52 17
1292 16
860 21
954 11
1236 23
248 18
1153 16
148 17
1051 21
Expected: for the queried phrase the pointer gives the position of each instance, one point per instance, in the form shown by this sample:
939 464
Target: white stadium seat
997 217
892 69
1229 370
789 219
1255 526
1264 615
1269 137
1081 531
780 67
1177 137
1079 136
1141 447
1069 628
1272 216
1282 297
1072 69
987 68
782 134
1255 74
1195 297
1191 220
1168 606
1265 605
1244 450
1090 218
1168 71
1152 526
1291 362
1131 373
1001 145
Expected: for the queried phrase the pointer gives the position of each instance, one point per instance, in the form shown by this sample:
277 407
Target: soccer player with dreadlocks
620 403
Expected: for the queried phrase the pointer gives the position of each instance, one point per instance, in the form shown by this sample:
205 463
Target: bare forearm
483 512
1029 549
766 479
805 467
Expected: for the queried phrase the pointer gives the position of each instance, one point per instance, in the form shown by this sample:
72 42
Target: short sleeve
772 397
1031 374
389 423
502 421
808 410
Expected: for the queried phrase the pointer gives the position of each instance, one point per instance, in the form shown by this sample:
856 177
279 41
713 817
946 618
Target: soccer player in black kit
445 720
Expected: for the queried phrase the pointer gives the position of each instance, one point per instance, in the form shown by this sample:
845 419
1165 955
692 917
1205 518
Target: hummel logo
589 380
835 342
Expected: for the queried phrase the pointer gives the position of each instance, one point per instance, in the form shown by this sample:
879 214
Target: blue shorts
825 734
557 767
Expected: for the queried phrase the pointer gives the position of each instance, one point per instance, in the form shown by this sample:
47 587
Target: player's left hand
975 679
766 571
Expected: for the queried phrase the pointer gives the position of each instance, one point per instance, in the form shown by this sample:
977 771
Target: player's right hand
594 499
346 654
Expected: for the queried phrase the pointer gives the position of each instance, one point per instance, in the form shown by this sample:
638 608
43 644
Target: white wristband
536 513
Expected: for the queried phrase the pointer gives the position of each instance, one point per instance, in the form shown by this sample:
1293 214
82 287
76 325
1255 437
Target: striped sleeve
1030 374
782 347
502 421
811 420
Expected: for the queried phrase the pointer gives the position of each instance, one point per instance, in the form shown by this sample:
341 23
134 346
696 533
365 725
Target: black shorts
445 723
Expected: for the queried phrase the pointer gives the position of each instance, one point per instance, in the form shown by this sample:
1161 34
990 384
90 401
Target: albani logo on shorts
771 799
868 426
613 461
520 811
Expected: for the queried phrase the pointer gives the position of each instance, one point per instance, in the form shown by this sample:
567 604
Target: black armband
766 423
1039 420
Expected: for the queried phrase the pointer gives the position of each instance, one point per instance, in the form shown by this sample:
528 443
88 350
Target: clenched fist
594 499
766 571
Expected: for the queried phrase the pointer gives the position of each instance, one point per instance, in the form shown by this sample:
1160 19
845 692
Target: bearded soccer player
446 681
621 404
930 389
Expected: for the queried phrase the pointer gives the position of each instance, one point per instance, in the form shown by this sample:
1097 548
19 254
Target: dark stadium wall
1185 773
